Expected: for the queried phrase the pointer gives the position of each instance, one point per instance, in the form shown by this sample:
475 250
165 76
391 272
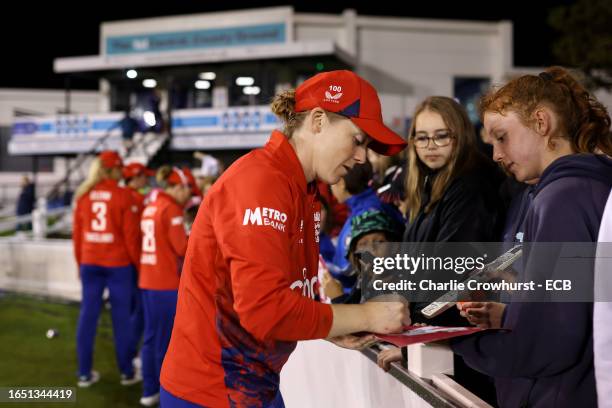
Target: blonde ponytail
95 174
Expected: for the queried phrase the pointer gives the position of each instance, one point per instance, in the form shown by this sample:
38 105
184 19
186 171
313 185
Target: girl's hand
388 356
486 315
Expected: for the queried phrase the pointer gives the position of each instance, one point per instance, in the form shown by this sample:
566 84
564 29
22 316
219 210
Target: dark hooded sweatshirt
546 360
470 210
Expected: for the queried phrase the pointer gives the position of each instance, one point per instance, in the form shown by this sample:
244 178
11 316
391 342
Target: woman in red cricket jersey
248 285
136 179
105 238
164 243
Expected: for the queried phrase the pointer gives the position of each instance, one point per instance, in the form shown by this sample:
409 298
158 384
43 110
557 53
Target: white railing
39 221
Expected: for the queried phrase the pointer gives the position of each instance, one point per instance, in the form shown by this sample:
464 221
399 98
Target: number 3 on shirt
99 209
148 235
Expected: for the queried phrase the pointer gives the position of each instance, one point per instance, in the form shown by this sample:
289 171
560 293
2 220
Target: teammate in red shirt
193 204
196 193
136 178
195 190
164 243
247 288
105 237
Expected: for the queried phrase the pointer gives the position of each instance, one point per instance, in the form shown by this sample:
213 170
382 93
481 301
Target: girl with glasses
451 188
451 196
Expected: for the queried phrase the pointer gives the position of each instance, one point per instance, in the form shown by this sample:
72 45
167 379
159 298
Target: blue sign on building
196 39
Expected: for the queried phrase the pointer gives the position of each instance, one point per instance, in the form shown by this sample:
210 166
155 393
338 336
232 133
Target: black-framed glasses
440 138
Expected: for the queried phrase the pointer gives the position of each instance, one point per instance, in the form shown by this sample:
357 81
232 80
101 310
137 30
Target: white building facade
405 59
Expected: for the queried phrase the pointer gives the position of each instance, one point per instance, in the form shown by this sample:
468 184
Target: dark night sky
34 33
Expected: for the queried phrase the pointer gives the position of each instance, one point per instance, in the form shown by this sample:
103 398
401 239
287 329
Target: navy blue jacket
470 209
25 202
515 216
546 360
326 248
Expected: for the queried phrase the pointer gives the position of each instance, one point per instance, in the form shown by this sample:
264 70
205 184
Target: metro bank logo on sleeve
266 217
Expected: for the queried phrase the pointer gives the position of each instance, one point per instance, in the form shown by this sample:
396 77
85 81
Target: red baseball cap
347 94
195 190
136 169
177 176
110 159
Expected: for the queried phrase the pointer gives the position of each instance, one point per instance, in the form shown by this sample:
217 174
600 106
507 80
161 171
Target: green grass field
28 358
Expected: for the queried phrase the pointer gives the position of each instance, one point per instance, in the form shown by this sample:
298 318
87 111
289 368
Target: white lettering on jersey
147 226
100 195
177 220
99 209
307 285
149 211
317 225
99 238
301 241
252 216
148 259
265 216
